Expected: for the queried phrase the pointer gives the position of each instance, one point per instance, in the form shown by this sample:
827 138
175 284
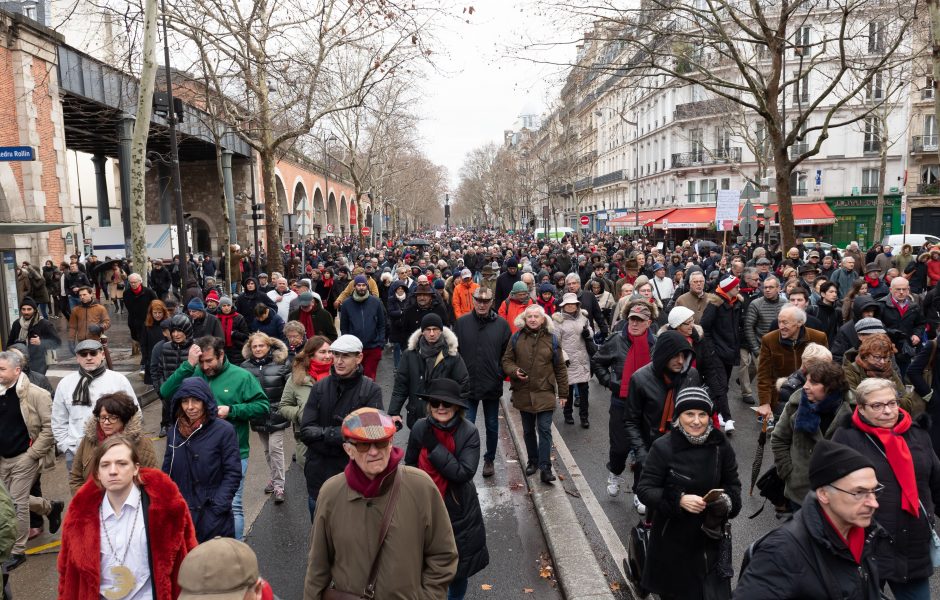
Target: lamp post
174 155
81 210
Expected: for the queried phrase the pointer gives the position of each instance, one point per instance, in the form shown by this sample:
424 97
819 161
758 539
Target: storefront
855 219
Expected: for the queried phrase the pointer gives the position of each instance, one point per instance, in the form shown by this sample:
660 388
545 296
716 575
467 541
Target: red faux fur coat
170 534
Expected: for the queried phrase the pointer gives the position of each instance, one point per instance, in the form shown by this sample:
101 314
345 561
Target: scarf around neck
318 370
808 415
444 432
25 324
227 321
696 440
898 455
637 356
887 372
81 396
369 488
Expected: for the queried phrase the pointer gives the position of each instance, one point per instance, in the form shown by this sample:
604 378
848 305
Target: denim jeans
73 302
312 506
539 453
458 588
396 353
915 589
237 509
490 420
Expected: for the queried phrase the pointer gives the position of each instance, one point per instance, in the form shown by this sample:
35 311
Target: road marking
617 551
44 547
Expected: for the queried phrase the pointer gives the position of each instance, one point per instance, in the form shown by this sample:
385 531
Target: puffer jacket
412 378
272 372
542 360
646 394
721 323
761 313
461 500
907 555
792 449
396 311
846 339
607 364
172 355
85 454
205 466
570 330
511 309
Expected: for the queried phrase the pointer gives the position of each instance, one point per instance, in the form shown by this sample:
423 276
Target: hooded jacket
721 323
607 363
170 537
205 466
246 301
412 378
85 454
365 320
396 312
482 343
272 372
544 363
85 315
570 330
646 394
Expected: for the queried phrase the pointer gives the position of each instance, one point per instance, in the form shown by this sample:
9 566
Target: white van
554 233
916 240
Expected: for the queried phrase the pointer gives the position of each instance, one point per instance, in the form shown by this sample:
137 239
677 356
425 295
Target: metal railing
702 156
929 189
609 178
924 143
869 189
703 197
702 108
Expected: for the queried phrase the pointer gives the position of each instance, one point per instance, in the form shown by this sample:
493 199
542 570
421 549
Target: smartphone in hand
712 495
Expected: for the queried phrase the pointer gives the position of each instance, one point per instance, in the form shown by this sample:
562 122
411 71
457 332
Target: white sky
481 87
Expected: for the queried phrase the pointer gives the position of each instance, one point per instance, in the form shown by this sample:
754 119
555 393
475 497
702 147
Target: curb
578 571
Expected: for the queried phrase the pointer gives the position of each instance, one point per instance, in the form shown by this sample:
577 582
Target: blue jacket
365 320
206 466
274 327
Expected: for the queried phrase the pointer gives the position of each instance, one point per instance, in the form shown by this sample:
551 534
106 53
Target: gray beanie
693 398
225 301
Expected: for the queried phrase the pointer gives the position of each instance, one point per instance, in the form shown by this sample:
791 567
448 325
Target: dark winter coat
331 399
396 312
504 285
137 306
846 339
607 363
912 323
172 355
916 374
272 326
148 338
160 281
322 321
784 564
75 280
411 318
412 378
590 305
246 301
272 372
206 466
917 273
721 323
829 317
647 391
49 340
543 361
365 320
674 467
463 505
240 333
483 342
208 325
906 555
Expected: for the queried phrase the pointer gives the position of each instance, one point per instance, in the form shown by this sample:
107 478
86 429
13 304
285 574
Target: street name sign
17 153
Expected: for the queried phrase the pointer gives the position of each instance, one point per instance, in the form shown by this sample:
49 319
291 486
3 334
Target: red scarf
306 319
318 370
669 405
901 309
101 436
856 540
637 356
138 291
227 320
898 455
445 438
872 281
369 488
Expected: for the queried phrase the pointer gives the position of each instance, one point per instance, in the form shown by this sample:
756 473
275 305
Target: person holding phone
691 489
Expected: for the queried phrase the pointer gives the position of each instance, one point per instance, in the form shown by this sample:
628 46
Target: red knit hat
729 283
212 296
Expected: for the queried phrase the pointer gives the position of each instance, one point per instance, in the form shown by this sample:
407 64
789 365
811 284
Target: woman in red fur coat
146 522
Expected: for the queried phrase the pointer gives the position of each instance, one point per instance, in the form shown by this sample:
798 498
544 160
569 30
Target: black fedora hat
446 390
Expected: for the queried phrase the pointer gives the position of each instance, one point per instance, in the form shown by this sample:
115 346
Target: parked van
554 234
916 240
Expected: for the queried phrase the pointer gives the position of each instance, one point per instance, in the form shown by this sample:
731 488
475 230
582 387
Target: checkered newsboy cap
368 425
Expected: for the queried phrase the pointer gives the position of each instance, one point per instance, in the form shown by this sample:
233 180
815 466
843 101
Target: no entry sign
585 220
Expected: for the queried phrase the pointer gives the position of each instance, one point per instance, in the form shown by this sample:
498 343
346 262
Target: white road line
618 552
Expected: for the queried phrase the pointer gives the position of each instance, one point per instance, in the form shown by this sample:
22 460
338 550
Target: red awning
646 217
687 218
807 213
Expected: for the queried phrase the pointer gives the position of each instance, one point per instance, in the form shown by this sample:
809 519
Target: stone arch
343 215
201 236
332 215
301 209
283 207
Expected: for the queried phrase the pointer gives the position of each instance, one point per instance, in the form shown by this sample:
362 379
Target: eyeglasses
878 357
434 403
363 447
87 353
861 494
880 406
108 418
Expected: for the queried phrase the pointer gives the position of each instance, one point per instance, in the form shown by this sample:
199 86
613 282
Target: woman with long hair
310 365
875 358
152 334
859 287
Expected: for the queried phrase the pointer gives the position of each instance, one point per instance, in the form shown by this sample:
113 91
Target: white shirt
663 288
119 528
68 420
283 307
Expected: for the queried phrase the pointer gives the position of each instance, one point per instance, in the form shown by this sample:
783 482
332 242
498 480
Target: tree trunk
138 166
226 219
880 203
784 168
272 209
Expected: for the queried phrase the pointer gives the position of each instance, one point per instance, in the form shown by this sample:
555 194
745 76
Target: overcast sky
482 86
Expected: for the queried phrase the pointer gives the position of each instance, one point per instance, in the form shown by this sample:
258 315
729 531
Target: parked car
916 240
825 248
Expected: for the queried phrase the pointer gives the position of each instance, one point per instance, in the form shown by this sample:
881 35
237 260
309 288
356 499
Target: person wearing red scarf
722 323
447 447
235 328
418 554
901 451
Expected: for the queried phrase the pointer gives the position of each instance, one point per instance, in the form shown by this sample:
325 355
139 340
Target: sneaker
278 496
639 506
55 516
721 422
488 469
613 484
34 532
269 489
729 426
14 561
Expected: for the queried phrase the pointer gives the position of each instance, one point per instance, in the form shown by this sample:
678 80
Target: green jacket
233 387
8 526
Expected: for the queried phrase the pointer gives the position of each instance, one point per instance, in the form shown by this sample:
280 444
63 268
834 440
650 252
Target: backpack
515 338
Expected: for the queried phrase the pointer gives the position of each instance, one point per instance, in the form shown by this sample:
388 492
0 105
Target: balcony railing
929 189
703 197
871 146
702 157
702 108
869 189
924 143
798 149
582 184
609 178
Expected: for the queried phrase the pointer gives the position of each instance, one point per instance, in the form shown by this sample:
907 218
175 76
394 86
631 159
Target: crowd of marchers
834 352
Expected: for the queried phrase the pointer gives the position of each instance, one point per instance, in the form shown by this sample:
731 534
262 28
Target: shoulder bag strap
877 447
369 592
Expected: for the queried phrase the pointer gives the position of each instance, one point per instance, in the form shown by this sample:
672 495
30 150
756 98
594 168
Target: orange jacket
510 309
462 299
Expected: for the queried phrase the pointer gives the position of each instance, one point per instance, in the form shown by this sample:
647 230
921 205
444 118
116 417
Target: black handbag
637 548
772 487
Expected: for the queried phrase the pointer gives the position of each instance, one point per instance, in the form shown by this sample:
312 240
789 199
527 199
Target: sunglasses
434 403
363 447
87 353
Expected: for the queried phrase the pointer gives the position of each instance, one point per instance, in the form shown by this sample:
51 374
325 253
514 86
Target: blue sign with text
17 153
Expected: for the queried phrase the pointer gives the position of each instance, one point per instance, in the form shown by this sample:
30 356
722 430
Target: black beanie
28 301
832 461
431 320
